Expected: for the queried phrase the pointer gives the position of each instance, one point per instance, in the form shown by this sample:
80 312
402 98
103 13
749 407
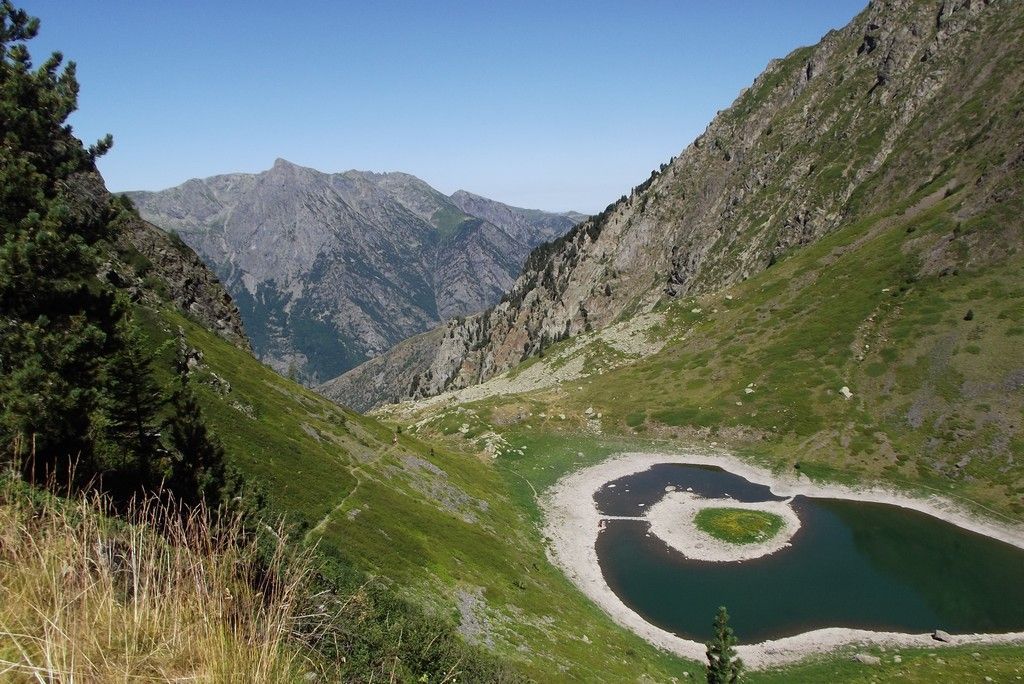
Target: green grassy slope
927 666
441 525
934 361
919 313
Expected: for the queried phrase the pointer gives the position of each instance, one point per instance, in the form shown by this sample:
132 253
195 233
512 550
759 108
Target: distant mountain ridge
329 270
909 93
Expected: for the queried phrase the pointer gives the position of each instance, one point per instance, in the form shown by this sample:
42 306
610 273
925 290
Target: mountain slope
443 571
153 266
439 527
909 93
331 269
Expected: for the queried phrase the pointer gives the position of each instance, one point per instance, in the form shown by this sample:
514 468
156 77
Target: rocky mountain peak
331 269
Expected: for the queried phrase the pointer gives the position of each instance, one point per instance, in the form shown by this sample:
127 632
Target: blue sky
553 105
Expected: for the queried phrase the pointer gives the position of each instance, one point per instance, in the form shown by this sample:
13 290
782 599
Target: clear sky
553 105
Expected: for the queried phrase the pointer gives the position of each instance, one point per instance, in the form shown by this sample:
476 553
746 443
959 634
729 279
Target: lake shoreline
671 521
572 523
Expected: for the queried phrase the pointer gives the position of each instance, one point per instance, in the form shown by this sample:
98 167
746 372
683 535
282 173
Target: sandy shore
671 521
572 521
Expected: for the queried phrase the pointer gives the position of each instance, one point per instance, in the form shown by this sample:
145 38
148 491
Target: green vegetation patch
738 525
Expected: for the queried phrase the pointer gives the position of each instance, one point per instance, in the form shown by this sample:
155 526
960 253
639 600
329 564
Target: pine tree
75 373
55 322
197 470
723 665
132 401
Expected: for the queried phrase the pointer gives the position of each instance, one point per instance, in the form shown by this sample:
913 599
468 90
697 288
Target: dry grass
84 598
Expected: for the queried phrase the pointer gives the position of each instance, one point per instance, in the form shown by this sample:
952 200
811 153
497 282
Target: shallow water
851 564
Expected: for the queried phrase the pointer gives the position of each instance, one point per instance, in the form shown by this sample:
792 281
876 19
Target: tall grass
87 598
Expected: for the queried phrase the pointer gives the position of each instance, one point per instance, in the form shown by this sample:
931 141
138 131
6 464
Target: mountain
881 346
910 95
329 270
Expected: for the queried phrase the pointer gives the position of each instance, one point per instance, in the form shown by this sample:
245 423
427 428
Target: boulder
940 635
866 659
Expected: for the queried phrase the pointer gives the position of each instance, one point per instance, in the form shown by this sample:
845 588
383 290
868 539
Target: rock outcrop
911 93
154 266
332 269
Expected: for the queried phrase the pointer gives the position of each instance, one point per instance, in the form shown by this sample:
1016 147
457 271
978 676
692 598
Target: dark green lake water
851 564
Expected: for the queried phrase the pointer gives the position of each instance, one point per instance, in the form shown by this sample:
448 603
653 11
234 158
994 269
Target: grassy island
738 525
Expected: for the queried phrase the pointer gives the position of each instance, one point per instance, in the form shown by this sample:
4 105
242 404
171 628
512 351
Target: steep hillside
444 509
910 93
332 269
852 360
154 266
438 526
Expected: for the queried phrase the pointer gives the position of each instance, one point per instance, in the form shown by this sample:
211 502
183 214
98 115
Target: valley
441 438
329 270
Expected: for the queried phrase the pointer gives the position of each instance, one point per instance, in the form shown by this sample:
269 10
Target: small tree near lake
724 667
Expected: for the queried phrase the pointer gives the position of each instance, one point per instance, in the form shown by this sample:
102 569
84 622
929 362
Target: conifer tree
197 470
76 380
55 322
132 400
723 665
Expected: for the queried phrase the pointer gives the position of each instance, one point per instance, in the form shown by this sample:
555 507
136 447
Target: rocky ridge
332 269
910 93
152 266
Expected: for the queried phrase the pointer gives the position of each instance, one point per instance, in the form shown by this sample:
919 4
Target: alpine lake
850 564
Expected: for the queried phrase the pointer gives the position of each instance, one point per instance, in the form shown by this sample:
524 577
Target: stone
897 659
845 391
940 635
866 659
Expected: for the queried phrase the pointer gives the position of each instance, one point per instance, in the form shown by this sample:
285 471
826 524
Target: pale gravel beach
671 521
572 521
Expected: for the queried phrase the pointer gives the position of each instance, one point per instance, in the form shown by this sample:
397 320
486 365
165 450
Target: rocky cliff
908 94
153 266
332 269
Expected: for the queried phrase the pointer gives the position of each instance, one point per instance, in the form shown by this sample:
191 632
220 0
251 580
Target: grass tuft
87 598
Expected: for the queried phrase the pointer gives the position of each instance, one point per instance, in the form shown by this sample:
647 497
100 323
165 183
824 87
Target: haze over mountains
329 270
